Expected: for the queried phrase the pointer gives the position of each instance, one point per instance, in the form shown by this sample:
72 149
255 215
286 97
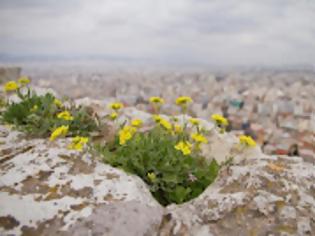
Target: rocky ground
46 189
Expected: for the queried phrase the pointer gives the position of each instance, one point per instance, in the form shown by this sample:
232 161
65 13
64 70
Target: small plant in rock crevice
39 116
167 157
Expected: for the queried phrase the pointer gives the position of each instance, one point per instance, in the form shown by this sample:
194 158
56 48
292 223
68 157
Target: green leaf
154 151
180 193
170 177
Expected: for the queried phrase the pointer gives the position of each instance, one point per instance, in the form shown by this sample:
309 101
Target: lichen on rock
252 199
46 189
48 185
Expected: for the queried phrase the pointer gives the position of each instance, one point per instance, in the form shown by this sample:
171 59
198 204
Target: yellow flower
136 123
167 125
156 100
24 80
199 138
157 118
178 128
34 108
183 100
113 115
194 121
220 120
58 103
11 86
161 121
60 131
77 143
65 115
116 106
247 141
184 147
126 134
151 176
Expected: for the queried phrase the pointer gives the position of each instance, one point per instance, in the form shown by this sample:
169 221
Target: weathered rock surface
268 195
46 189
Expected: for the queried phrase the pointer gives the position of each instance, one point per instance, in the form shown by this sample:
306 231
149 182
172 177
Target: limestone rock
268 195
46 189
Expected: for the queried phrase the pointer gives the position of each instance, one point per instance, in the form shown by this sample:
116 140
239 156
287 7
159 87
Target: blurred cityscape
276 107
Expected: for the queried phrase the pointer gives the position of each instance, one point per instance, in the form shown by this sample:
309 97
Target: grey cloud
199 31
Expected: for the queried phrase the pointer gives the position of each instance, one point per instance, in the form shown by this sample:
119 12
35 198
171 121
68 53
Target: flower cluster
247 141
220 121
194 121
126 133
183 102
199 138
65 115
24 80
113 115
11 86
184 147
77 143
137 123
157 102
162 122
14 86
116 106
45 115
158 153
185 143
58 132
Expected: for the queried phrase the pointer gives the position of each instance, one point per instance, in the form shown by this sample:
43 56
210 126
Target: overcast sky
218 32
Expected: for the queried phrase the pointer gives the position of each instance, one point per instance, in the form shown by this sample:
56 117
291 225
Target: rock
46 189
268 195
220 146
121 218
9 73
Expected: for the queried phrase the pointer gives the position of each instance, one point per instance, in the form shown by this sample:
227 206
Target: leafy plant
2 102
37 116
172 176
